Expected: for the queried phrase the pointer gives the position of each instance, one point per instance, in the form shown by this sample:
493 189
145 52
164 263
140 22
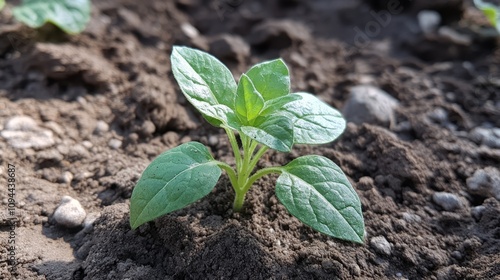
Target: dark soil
118 72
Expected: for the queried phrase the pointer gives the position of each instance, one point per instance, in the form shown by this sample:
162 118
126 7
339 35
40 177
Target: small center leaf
248 101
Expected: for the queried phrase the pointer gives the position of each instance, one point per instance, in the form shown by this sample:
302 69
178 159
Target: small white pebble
381 245
67 177
213 140
115 144
87 144
101 127
69 213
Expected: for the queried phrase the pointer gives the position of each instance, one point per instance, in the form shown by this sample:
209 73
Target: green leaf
276 104
248 101
2 4
491 12
315 122
69 15
276 132
173 180
271 78
316 191
206 83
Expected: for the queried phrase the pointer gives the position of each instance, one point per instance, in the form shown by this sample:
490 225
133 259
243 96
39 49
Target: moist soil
108 103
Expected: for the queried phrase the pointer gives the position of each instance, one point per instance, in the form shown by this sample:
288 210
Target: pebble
369 104
381 245
477 212
485 182
428 20
87 144
101 128
115 144
22 132
411 218
230 46
486 136
147 128
279 33
189 30
51 155
213 140
69 213
66 177
439 115
447 201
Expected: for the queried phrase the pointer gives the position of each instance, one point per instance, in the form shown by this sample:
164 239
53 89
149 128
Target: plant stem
234 145
238 201
241 180
259 174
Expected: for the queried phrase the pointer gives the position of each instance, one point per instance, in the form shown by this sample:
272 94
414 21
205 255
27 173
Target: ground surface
104 103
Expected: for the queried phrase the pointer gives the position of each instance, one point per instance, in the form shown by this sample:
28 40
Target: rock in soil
69 213
23 132
278 34
229 46
486 136
485 182
447 201
381 245
368 104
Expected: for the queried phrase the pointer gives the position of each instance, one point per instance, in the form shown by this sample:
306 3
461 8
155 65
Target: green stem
238 201
259 174
257 156
240 179
234 145
233 178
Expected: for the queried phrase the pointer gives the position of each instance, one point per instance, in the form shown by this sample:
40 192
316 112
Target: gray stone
411 218
486 136
101 127
439 115
189 30
447 201
115 144
381 245
66 177
230 46
279 34
369 104
485 182
477 212
428 20
213 140
69 213
147 128
22 132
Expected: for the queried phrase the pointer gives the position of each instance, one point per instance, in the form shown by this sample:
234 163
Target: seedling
262 112
69 15
491 12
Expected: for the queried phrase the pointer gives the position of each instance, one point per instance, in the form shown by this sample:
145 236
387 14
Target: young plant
69 15
491 12
264 114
